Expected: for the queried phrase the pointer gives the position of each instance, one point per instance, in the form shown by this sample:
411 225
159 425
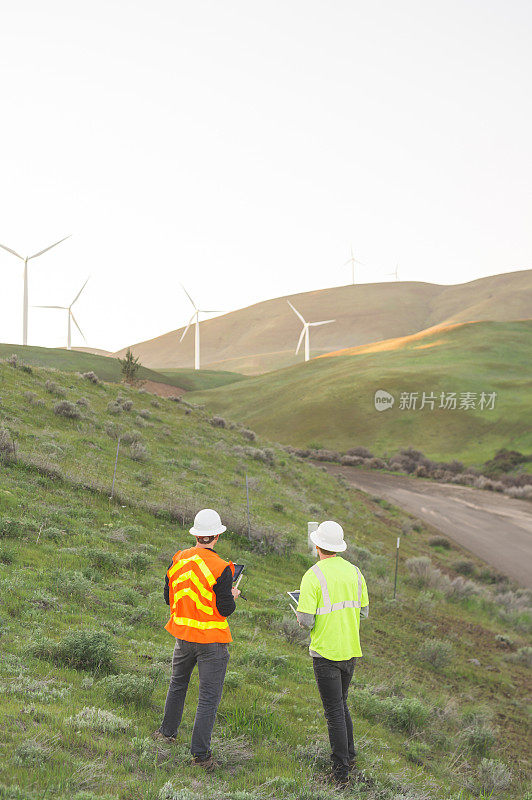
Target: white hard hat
207 522
329 536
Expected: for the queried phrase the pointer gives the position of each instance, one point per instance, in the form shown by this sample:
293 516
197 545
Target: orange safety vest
191 577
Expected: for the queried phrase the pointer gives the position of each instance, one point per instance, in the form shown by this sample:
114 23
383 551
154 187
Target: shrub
278 507
292 632
408 714
113 407
479 739
30 753
82 401
218 422
138 452
103 560
139 562
7 444
249 435
351 461
327 455
90 376
436 653
97 719
362 452
70 583
127 405
80 649
523 656
67 409
493 775
128 689
145 413
376 463
53 388
12 360
129 437
417 752
440 541
155 403
464 567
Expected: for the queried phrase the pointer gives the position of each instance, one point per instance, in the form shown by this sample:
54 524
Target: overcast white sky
241 146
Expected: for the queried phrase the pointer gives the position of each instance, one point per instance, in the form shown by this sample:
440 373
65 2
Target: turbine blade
62 308
80 291
300 339
9 250
188 326
189 297
77 326
296 312
325 322
49 248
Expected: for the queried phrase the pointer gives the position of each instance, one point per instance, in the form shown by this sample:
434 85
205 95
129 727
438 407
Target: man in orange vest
199 591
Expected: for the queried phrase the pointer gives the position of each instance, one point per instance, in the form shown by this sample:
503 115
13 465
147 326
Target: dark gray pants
333 679
212 663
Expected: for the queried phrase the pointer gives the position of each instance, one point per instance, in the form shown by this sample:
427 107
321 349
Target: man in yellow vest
333 596
199 591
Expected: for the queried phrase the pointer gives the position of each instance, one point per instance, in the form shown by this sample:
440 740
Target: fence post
116 464
311 527
396 567
247 504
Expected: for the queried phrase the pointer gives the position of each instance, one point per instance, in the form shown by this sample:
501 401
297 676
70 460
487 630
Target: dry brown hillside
263 337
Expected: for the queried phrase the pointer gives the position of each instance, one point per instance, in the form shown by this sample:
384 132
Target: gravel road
494 527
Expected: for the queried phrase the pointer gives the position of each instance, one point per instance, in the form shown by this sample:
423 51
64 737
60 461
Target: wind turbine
353 261
305 331
25 301
195 318
395 272
71 316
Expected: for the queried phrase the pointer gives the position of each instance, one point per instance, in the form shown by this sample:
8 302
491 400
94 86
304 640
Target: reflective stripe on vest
195 623
191 576
201 564
189 592
327 606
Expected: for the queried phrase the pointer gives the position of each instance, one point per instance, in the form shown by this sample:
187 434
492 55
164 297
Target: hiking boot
207 763
341 782
160 737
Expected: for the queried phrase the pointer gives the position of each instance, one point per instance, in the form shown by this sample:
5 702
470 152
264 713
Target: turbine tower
195 318
70 316
305 331
353 261
25 301
395 272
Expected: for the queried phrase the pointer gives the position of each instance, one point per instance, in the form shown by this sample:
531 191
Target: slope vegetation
330 401
263 337
85 659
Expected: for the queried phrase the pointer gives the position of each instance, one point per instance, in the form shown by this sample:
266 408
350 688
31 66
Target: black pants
212 662
333 679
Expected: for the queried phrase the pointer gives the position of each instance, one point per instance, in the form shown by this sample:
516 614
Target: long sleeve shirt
225 602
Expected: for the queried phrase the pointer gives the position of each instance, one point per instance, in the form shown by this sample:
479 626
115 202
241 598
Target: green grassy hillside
107 369
330 401
198 379
85 660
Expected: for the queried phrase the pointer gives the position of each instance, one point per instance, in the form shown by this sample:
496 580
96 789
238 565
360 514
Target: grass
85 659
331 400
199 379
107 368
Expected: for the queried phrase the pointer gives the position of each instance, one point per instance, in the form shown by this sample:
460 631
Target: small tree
129 366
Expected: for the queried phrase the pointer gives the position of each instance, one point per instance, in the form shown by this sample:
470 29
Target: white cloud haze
240 147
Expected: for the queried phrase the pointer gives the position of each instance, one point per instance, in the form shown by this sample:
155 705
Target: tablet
294 596
239 569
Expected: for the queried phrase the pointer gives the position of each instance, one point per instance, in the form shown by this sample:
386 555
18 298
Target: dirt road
496 528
